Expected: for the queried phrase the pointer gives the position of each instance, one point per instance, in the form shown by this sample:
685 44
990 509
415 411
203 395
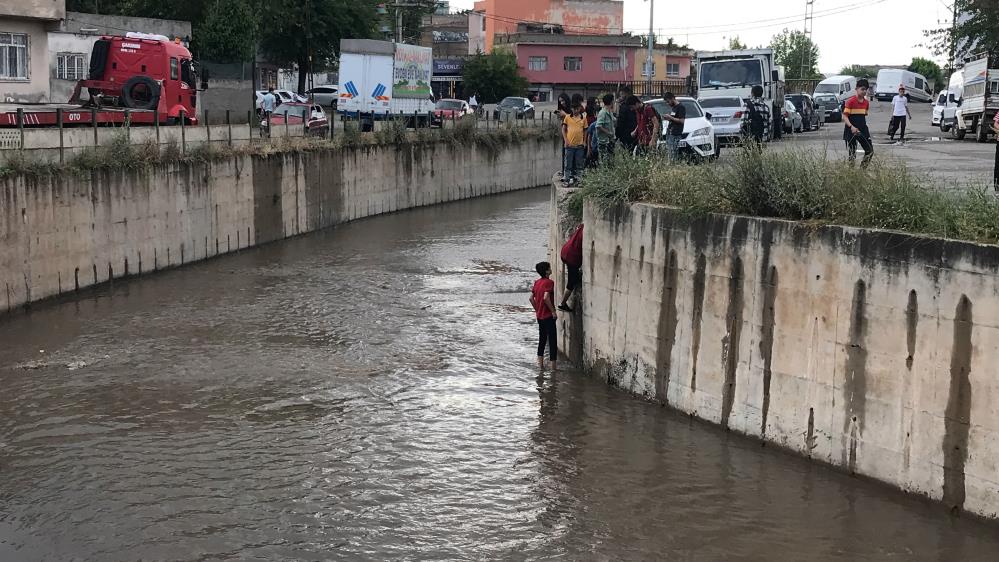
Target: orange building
577 17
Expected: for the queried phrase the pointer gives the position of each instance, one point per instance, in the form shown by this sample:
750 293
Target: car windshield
788 106
448 104
709 103
725 74
798 101
827 89
826 99
512 102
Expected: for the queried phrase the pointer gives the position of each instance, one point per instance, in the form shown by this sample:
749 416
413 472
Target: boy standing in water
543 301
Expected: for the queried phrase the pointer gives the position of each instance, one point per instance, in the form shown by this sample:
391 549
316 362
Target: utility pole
806 55
953 38
401 5
652 42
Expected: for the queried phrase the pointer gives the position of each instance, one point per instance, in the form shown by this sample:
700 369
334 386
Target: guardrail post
183 132
269 135
93 123
208 128
156 124
249 122
228 124
128 127
20 124
287 132
62 142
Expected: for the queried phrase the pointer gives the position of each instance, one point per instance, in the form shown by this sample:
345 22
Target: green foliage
977 30
927 68
494 76
227 32
735 44
802 186
791 49
860 71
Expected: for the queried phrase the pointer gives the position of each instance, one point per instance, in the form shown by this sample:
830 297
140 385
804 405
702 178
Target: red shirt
542 286
572 250
646 124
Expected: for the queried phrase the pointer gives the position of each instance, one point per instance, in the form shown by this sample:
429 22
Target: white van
841 86
889 79
955 91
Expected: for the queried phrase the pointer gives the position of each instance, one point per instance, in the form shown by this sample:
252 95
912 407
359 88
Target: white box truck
734 73
979 99
379 79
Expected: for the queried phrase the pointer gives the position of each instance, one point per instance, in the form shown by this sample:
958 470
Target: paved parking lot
951 163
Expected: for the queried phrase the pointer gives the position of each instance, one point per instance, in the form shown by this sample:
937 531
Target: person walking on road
574 135
572 257
605 130
267 103
543 302
674 132
899 115
856 132
757 121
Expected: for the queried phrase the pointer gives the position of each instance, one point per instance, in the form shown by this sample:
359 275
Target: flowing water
369 393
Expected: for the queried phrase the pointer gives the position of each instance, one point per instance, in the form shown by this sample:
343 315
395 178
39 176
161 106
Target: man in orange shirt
856 132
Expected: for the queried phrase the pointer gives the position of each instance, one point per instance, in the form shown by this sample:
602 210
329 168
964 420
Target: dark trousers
865 143
897 123
547 336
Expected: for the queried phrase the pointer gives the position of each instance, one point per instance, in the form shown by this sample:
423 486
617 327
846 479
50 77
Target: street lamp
652 40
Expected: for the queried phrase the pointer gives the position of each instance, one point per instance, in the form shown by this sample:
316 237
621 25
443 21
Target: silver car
324 95
793 122
726 117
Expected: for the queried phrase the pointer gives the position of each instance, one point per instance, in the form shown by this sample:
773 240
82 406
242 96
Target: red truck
148 77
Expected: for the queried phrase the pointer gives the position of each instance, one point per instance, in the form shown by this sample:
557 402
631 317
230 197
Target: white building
24 51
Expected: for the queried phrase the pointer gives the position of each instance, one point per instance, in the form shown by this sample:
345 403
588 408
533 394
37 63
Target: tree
228 31
860 71
494 76
307 33
977 30
791 49
734 44
927 68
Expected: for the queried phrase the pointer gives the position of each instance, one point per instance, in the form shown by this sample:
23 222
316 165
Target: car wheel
944 128
717 154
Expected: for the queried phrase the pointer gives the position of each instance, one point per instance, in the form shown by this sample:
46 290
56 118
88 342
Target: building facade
24 50
579 17
667 63
446 34
70 45
583 64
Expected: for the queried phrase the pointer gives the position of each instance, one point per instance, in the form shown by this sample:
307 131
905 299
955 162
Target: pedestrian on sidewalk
543 302
899 115
574 137
605 129
674 132
572 257
856 132
757 121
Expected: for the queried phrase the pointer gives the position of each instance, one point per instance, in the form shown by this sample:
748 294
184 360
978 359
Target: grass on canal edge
121 154
808 186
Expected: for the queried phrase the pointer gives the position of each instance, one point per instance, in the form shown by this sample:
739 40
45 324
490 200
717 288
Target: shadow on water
368 392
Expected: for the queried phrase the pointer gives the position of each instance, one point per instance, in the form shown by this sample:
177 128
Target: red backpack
572 250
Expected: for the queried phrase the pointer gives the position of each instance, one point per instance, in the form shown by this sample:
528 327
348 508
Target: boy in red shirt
543 302
856 132
572 257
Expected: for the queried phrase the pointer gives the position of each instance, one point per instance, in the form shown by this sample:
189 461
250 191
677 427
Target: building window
610 64
13 56
573 64
645 68
537 63
71 66
672 69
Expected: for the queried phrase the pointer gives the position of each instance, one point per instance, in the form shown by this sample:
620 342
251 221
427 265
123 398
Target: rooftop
626 40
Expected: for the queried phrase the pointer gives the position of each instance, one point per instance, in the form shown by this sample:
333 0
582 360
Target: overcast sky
846 31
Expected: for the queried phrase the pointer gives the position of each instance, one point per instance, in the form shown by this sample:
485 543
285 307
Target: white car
938 109
698 142
283 96
727 113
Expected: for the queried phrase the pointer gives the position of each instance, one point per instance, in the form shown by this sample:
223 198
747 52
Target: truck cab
735 72
142 72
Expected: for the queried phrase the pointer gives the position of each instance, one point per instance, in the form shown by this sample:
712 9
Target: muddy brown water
368 393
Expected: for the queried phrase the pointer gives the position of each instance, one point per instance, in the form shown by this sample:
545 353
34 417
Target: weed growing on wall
801 186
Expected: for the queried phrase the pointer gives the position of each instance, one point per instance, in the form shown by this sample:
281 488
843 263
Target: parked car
792 119
297 114
450 109
726 117
832 106
283 96
810 118
324 95
518 108
889 79
698 143
841 86
938 109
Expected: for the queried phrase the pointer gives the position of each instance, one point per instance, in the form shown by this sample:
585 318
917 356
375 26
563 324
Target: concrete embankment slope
60 233
872 351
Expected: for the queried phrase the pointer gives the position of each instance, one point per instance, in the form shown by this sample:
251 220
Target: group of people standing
592 130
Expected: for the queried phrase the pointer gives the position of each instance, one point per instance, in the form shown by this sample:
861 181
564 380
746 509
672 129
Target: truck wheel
982 131
141 92
957 134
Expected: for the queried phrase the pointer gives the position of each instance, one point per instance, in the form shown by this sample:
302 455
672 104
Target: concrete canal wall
872 351
64 232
